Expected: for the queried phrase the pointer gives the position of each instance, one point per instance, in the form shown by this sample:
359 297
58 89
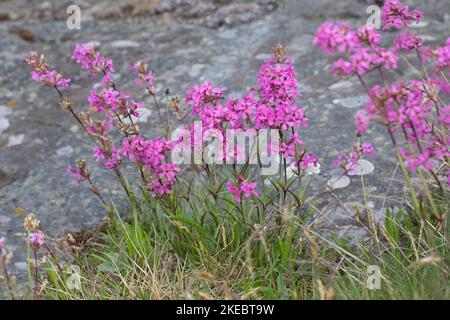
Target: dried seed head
174 103
66 104
31 223
151 90
140 67
280 52
84 169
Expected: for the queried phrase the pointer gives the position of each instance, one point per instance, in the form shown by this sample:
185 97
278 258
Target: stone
124 44
64 151
339 182
4 122
352 102
363 167
4 220
21 266
15 140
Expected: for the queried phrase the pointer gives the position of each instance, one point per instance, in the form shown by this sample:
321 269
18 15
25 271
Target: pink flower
291 148
37 240
396 15
202 95
368 35
277 81
41 73
367 149
2 244
164 178
76 173
237 111
387 58
334 37
141 70
249 189
235 191
309 160
408 42
362 122
444 116
341 68
107 156
242 188
414 161
349 162
152 155
91 60
362 61
204 99
115 102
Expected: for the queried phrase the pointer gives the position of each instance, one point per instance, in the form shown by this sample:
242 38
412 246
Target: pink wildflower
144 75
152 155
367 149
444 116
41 73
362 122
277 81
309 160
349 162
114 102
368 35
242 188
387 58
89 59
408 42
37 240
362 61
237 111
396 15
341 68
334 37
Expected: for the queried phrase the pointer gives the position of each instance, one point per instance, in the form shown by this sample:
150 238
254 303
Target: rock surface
185 42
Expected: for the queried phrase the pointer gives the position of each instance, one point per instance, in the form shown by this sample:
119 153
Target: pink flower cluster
271 105
408 42
205 102
349 162
396 15
405 108
89 59
439 56
2 244
412 108
274 108
242 188
113 101
334 37
76 173
152 154
41 73
360 47
278 90
144 75
37 240
107 154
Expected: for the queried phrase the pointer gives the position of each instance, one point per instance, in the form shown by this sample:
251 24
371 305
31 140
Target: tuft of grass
209 248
